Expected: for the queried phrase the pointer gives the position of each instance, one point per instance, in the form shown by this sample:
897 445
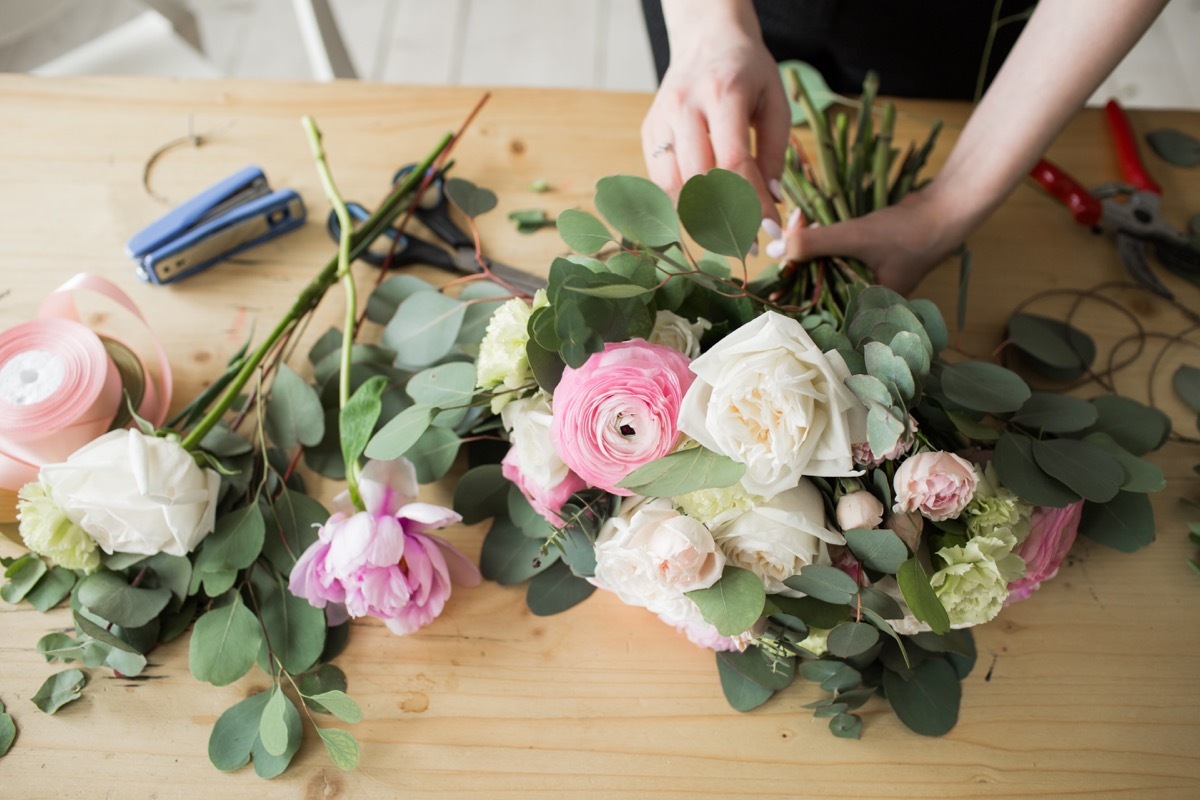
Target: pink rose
619 410
936 483
532 463
1051 534
380 562
864 455
861 510
702 633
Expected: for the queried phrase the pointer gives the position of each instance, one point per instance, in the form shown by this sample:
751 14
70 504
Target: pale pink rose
935 483
381 562
1051 534
703 633
619 410
532 463
866 457
861 510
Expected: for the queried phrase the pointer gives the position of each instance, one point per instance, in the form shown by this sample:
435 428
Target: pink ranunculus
619 410
935 483
1051 534
381 562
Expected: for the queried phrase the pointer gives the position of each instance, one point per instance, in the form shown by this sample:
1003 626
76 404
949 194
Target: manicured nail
776 190
793 218
772 229
776 248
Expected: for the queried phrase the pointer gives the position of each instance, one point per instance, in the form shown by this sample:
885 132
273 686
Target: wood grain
1088 688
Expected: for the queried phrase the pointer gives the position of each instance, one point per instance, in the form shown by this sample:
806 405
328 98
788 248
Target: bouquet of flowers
792 470
205 525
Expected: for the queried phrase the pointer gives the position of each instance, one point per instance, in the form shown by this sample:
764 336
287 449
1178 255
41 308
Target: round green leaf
556 590
1019 471
880 550
721 211
928 702
509 556
433 454
8 731
1082 467
341 746
401 432
582 232
481 493
639 209
381 307
754 664
734 603
292 520
447 386
682 472
828 584
1140 475
108 595
472 200
1136 427
741 692
272 728
224 644
233 736
1186 381
933 322
340 704
852 638
1175 147
920 597
23 574
425 327
1125 523
54 587
294 628
1058 350
59 689
1056 413
268 764
981 386
846 726
293 412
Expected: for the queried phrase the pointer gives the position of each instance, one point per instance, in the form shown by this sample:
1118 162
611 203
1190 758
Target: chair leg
326 51
181 19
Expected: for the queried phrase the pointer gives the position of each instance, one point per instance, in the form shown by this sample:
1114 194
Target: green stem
353 471
311 295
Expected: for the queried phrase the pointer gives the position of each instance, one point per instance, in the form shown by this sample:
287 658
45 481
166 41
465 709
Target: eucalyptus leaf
1186 381
741 692
485 298
846 726
51 589
293 413
734 603
1175 146
268 764
272 728
754 664
852 639
224 644
358 418
510 557
59 689
294 628
815 613
1138 428
828 584
1140 475
450 387
582 232
8 731
341 746
433 454
88 625
110 596
893 370
639 209
1020 473
933 322
340 704
234 545
23 574
325 678
381 307
908 346
721 211
1056 413
928 703
481 493
880 549
424 328
555 590
1057 349
981 386
401 432
920 597
1082 467
291 520
682 472
472 200
235 732
1125 523
578 551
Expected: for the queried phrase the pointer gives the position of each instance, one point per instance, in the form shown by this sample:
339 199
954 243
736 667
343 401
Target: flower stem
345 226
311 295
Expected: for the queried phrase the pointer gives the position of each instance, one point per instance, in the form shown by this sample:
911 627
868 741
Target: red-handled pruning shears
1128 210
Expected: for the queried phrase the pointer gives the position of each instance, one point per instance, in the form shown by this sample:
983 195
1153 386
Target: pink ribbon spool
59 389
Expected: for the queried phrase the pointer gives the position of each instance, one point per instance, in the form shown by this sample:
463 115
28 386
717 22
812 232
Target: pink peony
1051 534
619 410
380 562
936 483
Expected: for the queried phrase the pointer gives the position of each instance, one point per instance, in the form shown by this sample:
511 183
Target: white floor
554 43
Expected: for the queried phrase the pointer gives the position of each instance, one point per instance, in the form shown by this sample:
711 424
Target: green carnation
974 583
817 642
48 532
994 510
714 507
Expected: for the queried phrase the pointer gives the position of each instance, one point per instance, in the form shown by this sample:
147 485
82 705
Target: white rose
650 555
859 509
527 421
676 332
776 539
767 396
503 360
134 493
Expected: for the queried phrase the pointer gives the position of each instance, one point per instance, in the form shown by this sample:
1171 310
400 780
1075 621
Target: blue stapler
239 212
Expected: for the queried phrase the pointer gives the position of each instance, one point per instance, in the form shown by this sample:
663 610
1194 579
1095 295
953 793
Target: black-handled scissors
433 210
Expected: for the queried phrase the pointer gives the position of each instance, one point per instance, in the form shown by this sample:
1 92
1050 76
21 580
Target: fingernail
772 228
754 248
776 190
793 218
776 248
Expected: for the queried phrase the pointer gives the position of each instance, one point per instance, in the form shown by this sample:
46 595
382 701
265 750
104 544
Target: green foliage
509 557
381 307
682 472
582 232
232 546
1055 413
1052 348
828 584
721 211
985 387
742 693
293 628
293 412
481 493
224 643
8 731
22 574
472 200
555 590
821 96
1084 468
433 453
927 702
1020 472
423 329
1136 427
338 703
638 209
450 387
1125 523
1175 147
401 432
233 736
51 589
852 638
290 523
1186 381
920 597
733 603
107 594
341 746
59 689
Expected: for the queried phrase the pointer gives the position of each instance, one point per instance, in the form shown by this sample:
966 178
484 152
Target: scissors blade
1133 255
464 259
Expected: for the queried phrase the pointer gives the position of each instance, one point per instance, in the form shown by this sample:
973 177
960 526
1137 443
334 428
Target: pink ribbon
59 389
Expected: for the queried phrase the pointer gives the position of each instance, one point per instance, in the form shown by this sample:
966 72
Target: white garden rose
779 537
676 332
766 396
527 421
135 493
650 555
859 510
503 361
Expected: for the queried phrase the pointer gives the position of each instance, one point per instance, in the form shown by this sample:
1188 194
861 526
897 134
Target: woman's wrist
692 24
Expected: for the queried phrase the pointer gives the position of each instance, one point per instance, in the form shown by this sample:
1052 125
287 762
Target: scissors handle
1132 168
408 249
434 212
1084 207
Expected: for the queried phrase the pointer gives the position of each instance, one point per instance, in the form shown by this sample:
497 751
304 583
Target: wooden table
1090 687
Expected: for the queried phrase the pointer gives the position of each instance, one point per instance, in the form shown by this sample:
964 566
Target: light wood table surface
1090 688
